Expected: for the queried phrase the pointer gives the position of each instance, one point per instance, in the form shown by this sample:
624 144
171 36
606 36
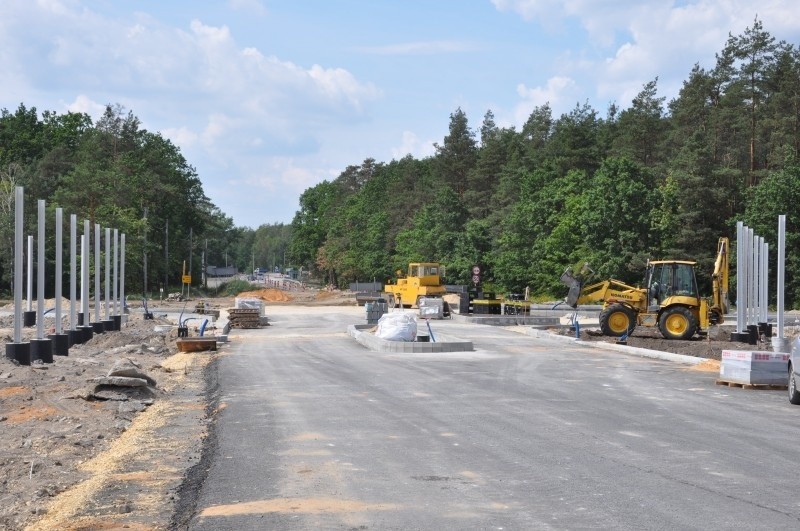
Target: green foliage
116 174
779 194
648 181
234 287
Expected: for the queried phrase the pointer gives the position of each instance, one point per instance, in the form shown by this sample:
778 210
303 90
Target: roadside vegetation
658 179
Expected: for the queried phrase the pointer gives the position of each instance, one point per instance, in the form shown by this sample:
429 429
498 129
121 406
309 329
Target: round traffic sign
476 270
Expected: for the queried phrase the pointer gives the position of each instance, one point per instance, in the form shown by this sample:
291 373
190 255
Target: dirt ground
710 347
309 297
80 454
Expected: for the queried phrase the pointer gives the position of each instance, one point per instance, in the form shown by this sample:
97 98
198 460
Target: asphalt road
318 432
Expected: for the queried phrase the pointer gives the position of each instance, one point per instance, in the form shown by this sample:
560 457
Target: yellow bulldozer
669 298
422 280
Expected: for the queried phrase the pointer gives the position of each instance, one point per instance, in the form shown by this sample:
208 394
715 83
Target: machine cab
425 273
668 279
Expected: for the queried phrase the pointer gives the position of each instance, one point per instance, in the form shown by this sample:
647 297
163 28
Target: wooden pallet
769 387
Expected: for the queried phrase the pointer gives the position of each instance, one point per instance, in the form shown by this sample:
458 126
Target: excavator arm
719 281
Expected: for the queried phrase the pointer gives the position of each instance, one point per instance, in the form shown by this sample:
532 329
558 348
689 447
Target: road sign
476 279
187 279
476 270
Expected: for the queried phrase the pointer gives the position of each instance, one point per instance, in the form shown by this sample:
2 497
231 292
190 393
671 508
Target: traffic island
443 343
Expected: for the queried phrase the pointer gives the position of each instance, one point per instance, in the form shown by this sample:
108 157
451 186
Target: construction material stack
244 318
247 313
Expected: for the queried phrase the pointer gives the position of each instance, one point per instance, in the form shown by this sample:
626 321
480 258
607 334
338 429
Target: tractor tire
677 322
617 320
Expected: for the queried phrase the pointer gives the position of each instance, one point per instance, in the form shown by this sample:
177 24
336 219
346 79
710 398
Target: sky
267 98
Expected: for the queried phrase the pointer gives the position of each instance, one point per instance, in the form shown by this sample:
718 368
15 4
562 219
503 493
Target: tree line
656 180
115 173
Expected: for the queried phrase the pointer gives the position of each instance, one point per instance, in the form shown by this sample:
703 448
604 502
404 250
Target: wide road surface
318 432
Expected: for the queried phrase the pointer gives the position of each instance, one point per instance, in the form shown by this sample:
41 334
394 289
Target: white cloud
420 48
631 42
412 145
255 7
559 92
280 174
86 105
182 137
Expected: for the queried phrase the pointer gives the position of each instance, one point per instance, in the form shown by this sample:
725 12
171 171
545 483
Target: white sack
397 326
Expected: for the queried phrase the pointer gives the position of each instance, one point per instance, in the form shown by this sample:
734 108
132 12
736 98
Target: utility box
431 308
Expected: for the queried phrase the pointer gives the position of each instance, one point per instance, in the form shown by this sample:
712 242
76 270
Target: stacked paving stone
244 318
753 367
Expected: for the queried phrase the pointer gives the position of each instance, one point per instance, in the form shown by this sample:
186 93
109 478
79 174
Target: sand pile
267 295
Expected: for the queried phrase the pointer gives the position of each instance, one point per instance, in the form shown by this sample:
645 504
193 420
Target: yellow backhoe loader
668 300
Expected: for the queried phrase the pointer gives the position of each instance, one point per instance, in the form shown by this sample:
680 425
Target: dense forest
119 175
658 180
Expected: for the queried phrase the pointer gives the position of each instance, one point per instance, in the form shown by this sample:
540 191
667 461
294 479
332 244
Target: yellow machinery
668 300
423 280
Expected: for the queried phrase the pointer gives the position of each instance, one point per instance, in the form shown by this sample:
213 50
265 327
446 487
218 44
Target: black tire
617 320
677 322
794 394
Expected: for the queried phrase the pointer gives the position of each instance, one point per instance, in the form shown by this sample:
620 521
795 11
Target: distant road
316 432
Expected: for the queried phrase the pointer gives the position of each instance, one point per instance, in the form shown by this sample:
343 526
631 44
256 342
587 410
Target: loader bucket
574 286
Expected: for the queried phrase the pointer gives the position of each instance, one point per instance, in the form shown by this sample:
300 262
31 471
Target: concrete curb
635 351
444 344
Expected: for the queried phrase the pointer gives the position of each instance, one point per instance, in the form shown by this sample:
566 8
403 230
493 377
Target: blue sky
266 98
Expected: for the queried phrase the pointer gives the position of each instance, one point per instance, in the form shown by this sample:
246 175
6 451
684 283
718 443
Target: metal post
85 258
115 297
59 266
73 262
781 270
30 273
750 275
40 259
108 275
144 257
764 279
122 272
166 255
740 277
97 272
18 216
191 246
